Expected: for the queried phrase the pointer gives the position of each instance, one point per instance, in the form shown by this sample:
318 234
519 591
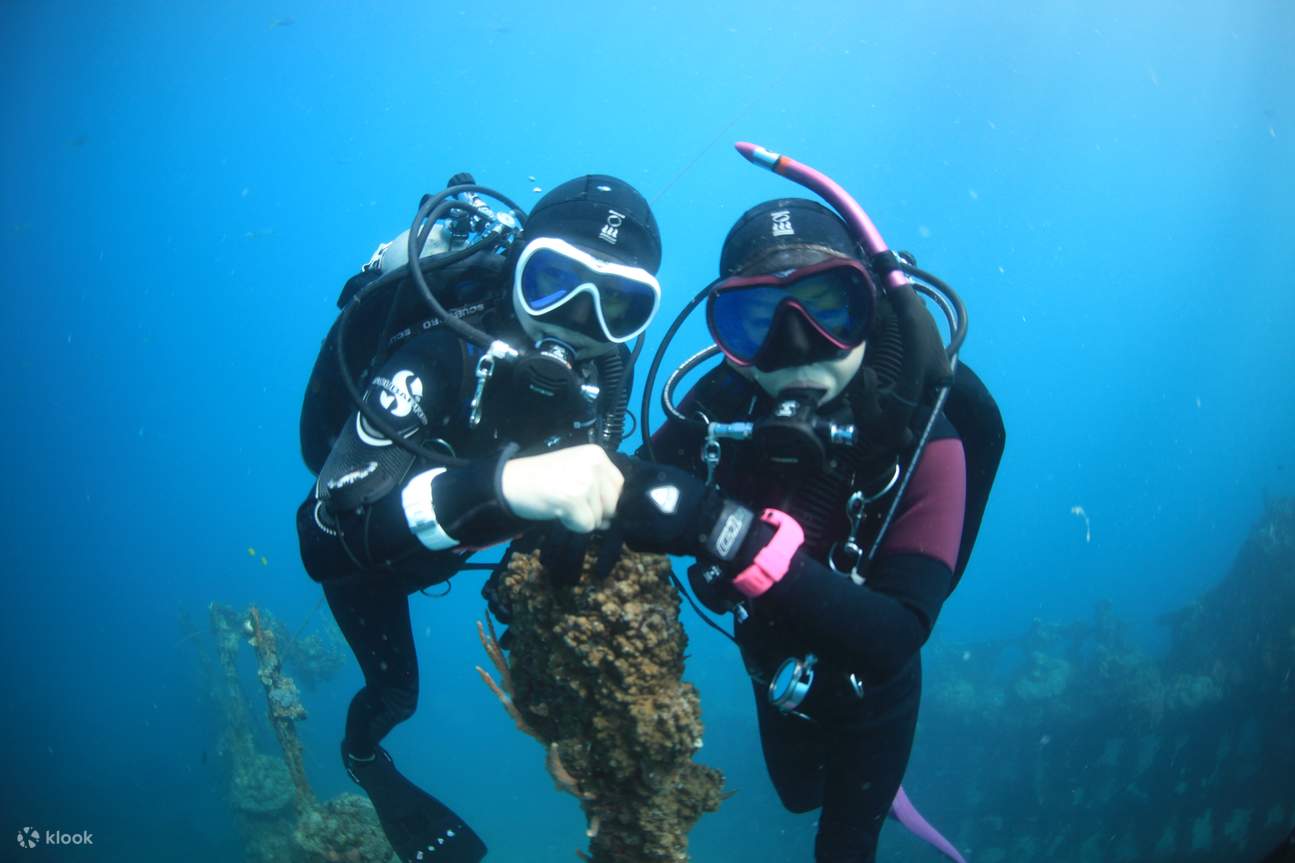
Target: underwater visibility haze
1110 189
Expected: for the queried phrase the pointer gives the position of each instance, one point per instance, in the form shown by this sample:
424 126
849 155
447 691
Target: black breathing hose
649 384
431 209
611 378
420 229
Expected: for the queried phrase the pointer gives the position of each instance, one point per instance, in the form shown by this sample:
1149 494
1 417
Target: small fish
282 22
1088 526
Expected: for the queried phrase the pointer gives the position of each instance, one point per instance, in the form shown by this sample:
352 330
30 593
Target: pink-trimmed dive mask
792 318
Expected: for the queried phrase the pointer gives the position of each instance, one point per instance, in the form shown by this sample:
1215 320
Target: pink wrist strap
771 562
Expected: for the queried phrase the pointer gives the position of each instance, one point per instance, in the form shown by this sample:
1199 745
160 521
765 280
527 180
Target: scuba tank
463 252
975 415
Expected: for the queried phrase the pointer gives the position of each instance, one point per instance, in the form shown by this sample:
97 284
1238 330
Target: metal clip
485 370
854 511
854 508
710 449
710 456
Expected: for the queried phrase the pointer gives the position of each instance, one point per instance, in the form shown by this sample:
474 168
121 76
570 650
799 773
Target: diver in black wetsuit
825 420
497 436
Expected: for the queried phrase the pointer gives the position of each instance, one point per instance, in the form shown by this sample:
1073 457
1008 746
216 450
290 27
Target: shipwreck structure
278 814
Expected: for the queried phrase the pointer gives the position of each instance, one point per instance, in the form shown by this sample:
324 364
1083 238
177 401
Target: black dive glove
666 510
739 556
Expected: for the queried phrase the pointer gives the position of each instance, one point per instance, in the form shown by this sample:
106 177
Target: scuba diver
829 477
458 402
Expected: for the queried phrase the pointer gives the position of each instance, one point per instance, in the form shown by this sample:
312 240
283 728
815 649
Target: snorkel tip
758 155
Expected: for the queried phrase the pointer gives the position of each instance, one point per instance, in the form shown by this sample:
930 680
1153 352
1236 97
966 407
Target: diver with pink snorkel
829 477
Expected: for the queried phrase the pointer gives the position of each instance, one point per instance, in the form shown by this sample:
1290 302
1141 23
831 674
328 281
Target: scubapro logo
28 838
399 399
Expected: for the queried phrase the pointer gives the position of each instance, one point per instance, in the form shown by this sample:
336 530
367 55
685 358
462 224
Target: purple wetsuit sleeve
930 521
875 629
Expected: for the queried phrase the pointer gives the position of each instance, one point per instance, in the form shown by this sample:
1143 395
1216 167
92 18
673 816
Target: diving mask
551 275
792 318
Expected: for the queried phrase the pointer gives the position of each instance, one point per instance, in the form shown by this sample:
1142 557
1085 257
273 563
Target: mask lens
836 298
547 279
740 319
828 299
627 304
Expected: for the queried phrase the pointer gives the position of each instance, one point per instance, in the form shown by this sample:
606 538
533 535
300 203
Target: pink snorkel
848 208
866 233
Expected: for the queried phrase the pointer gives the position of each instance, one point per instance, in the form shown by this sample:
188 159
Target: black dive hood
906 364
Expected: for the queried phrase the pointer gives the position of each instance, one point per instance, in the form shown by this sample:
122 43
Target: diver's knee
799 799
797 806
400 703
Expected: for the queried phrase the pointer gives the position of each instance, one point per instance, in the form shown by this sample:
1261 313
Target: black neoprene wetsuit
357 541
850 756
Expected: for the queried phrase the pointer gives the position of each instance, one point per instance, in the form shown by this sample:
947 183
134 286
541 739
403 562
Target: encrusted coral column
597 671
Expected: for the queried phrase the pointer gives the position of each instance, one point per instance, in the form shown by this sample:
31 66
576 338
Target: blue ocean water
186 187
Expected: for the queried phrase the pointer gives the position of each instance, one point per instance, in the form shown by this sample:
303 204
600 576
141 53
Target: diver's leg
373 614
374 617
793 754
869 754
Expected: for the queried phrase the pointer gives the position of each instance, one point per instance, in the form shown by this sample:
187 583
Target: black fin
418 826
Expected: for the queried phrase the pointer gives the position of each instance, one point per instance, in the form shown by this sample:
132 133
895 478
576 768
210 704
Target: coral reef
1046 678
595 673
342 830
1185 756
261 785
